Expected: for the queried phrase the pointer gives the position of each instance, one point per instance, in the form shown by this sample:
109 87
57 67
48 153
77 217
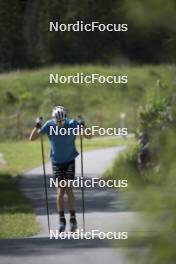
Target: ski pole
45 182
82 176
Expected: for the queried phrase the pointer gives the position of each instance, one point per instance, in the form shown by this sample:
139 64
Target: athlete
63 153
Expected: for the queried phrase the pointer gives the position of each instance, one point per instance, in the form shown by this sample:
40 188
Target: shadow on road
45 246
96 199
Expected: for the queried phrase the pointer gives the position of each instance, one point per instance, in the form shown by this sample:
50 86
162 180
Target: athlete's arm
34 134
36 130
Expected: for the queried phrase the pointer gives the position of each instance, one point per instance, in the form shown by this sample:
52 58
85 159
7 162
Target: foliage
154 187
27 42
16 214
29 93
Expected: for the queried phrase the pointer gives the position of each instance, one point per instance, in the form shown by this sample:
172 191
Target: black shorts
64 171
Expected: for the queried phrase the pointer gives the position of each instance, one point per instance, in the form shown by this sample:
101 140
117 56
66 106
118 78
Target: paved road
105 211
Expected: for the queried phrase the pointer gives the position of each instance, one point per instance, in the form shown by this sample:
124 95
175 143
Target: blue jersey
63 147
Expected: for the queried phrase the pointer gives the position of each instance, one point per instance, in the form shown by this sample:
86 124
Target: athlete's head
59 114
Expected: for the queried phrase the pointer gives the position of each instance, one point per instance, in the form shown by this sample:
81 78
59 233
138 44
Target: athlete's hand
81 121
38 122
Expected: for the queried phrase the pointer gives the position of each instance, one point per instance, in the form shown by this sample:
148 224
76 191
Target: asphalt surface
105 211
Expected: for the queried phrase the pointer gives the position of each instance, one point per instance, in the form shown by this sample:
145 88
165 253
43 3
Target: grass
24 155
16 215
31 94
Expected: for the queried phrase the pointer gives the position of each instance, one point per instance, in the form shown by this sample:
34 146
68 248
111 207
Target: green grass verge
24 155
16 214
124 167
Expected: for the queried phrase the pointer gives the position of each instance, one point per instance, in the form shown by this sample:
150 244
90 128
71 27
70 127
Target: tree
11 32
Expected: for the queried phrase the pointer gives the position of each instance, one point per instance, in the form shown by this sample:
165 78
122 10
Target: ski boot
73 224
62 224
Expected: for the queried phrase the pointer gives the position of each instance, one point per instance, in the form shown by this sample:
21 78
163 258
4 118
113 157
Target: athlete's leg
60 198
71 198
71 204
70 175
60 207
58 174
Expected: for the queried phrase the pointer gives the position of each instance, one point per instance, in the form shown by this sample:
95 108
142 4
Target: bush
154 186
